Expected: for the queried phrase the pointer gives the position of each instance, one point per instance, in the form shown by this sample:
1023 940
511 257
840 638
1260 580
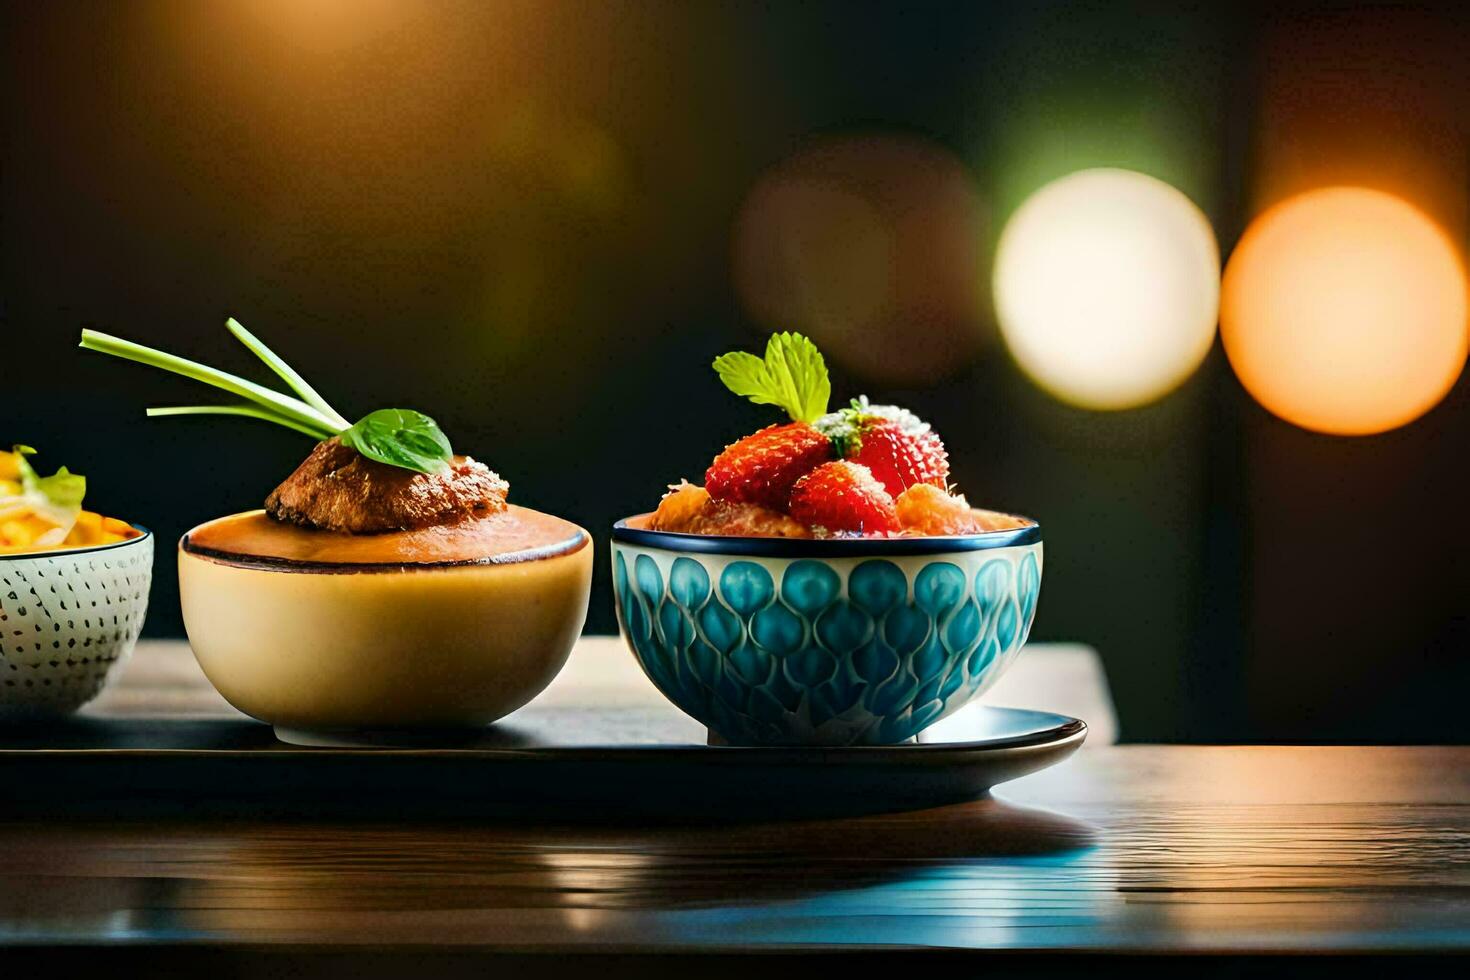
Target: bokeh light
1344 311
1407 65
1101 92
870 244
1107 288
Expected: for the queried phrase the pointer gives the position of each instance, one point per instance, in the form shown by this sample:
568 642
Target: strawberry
900 448
881 450
762 468
843 496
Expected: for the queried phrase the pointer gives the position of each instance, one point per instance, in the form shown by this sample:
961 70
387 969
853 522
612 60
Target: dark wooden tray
559 763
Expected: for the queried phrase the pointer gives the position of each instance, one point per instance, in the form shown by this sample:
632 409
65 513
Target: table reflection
453 884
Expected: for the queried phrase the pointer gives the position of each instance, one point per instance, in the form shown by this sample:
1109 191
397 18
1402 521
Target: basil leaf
401 437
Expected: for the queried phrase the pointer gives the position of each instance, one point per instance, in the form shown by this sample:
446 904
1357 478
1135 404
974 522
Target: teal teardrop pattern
775 652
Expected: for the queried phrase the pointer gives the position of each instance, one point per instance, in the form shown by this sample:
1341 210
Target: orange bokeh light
1343 310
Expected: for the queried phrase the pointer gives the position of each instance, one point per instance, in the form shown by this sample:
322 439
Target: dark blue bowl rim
86 549
719 544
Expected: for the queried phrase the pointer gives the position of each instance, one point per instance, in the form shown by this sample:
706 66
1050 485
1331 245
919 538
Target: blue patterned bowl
772 641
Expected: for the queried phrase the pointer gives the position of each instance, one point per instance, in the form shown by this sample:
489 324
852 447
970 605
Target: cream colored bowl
335 651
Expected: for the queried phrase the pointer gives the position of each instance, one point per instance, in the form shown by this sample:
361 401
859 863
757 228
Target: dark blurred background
538 222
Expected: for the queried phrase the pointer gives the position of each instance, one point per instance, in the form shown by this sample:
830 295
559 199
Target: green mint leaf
744 374
62 489
401 437
792 376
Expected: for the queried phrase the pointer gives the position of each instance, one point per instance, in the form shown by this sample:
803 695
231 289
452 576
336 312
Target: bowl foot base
713 737
379 738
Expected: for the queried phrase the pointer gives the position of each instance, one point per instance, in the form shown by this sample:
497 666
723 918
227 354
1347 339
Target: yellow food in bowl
30 520
23 531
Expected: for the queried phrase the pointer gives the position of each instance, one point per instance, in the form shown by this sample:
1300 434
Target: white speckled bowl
68 621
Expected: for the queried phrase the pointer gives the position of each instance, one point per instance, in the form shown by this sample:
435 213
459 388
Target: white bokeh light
1107 288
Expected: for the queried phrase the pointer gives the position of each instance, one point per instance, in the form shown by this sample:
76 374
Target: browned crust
337 489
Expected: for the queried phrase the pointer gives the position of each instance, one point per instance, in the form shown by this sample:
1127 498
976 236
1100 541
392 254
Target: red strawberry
894 443
843 496
762 468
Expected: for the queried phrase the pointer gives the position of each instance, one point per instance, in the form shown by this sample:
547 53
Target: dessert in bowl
73 591
824 586
386 588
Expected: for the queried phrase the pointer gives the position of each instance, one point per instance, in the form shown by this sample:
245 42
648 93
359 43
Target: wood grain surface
1151 851
1136 848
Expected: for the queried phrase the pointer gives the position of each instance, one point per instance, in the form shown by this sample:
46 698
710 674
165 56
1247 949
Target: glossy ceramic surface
68 621
849 647
324 651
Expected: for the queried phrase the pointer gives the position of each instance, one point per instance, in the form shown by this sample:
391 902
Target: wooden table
1154 852
1067 678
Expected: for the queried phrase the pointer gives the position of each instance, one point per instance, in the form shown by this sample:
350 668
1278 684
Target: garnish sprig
395 436
285 371
276 406
63 490
792 376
